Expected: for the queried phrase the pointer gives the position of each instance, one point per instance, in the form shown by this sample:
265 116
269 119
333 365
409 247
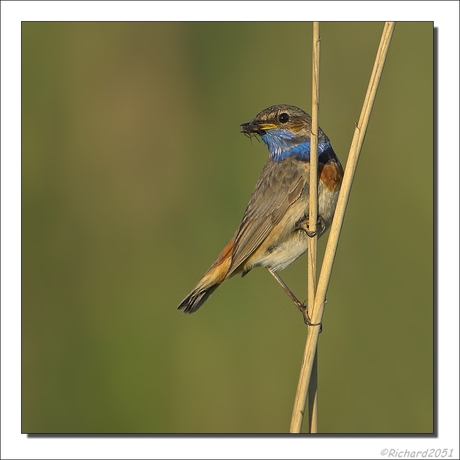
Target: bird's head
286 130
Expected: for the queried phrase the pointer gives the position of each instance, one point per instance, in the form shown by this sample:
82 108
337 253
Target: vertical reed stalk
331 248
313 217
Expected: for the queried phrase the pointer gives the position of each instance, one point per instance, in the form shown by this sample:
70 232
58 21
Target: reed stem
313 217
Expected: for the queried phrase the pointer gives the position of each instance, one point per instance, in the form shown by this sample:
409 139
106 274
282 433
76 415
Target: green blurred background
134 176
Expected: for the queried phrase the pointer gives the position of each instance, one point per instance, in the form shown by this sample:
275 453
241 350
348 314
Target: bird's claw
306 318
302 224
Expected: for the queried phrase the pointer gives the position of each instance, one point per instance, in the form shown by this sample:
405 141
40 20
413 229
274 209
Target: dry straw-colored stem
312 218
331 248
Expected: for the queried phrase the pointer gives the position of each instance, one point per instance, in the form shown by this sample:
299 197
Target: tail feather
196 298
210 281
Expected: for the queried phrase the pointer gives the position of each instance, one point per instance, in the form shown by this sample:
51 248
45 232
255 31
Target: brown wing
279 186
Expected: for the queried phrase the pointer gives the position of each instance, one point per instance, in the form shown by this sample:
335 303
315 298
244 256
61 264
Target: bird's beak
256 128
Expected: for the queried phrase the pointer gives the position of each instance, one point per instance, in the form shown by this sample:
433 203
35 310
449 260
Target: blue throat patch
282 143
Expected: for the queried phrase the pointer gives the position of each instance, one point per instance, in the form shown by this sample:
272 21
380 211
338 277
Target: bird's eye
283 118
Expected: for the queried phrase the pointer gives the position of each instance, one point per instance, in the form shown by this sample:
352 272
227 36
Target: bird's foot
306 318
302 224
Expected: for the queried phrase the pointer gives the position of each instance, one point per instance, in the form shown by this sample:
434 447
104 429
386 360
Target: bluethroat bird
274 230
